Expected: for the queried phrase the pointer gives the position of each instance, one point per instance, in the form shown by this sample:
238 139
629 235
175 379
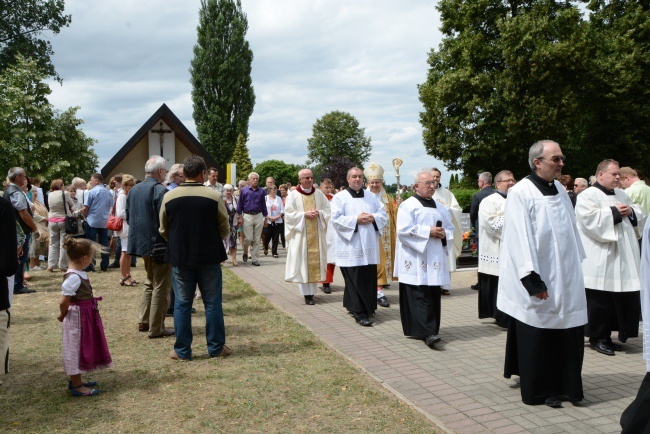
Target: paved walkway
460 386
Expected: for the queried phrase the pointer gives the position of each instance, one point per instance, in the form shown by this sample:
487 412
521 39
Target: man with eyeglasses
25 217
541 283
608 222
485 185
490 226
374 174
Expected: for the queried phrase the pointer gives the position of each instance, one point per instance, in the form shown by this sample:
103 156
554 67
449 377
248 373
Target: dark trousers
99 235
19 277
272 234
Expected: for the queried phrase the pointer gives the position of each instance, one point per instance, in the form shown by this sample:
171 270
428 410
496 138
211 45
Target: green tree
241 158
337 134
336 169
509 73
222 90
35 136
22 26
280 171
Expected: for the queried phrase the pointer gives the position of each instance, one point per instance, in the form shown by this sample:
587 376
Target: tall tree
336 169
280 171
509 73
23 24
222 89
35 136
337 134
241 158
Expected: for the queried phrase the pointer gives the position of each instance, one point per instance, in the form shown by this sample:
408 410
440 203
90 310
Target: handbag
71 222
114 223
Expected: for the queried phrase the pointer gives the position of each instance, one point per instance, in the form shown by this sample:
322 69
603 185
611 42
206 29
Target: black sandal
132 283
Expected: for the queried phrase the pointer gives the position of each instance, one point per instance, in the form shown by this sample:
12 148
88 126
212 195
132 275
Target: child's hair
79 247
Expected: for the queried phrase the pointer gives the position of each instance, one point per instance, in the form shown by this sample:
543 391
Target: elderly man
358 219
175 176
580 185
306 214
607 219
636 189
541 285
194 220
423 229
143 210
8 259
25 217
485 186
490 224
447 198
252 211
213 175
374 174
97 208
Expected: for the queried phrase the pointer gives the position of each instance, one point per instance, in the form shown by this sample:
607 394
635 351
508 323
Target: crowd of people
558 260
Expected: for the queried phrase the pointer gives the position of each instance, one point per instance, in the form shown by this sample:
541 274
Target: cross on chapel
161 132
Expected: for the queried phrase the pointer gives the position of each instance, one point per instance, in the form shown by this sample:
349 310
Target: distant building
162 134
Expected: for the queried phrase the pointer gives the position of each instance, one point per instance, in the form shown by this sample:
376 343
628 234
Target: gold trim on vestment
313 247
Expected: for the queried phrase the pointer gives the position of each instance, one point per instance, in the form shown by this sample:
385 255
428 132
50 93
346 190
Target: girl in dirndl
84 343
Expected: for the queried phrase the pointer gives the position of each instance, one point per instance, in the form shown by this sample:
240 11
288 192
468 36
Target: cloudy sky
120 60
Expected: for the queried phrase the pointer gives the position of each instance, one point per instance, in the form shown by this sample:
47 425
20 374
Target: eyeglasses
506 180
427 183
555 160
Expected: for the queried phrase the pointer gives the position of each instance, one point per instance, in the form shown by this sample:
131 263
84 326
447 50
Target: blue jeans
92 234
185 280
19 277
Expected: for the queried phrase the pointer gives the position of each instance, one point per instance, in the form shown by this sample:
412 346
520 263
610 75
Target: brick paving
459 386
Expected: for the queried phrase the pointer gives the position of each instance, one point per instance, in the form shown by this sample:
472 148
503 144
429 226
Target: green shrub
464 197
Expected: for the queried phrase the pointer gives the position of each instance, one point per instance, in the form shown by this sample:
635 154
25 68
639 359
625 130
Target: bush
464 197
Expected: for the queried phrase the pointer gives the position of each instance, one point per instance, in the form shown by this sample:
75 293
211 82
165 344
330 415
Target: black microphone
444 240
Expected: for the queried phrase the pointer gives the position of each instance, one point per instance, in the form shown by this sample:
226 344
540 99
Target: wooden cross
161 131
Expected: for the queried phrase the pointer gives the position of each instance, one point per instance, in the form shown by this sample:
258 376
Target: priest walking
358 219
607 219
306 214
541 285
424 228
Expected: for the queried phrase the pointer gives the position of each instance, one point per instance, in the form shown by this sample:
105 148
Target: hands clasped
364 218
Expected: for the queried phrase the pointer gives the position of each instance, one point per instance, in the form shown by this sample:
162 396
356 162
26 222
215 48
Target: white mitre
373 171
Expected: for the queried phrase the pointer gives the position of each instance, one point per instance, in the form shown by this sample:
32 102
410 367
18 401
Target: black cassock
360 294
419 309
636 418
488 289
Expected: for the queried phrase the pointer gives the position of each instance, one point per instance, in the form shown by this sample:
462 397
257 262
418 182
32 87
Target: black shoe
615 347
431 340
257 264
326 288
89 269
114 265
383 302
104 269
603 348
24 290
365 322
474 287
309 299
245 257
553 402
193 310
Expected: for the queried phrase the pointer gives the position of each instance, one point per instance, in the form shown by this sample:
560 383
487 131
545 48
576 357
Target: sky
120 60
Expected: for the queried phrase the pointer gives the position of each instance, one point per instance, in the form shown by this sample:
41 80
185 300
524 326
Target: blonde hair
128 180
77 248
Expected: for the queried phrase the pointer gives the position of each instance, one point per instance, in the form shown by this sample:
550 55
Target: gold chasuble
313 251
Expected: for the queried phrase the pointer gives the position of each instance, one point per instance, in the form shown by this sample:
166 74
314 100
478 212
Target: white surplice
295 231
612 249
447 198
490 228
420 259
356 245
540 235
645 293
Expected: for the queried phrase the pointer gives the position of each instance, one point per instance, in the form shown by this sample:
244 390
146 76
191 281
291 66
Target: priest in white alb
306 213
607 222
447 198
357 219
424 230
541 285
490 226
374 174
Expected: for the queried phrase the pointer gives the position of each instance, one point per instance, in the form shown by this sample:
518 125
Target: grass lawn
281 378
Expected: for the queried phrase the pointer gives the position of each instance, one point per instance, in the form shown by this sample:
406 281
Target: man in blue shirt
251 210
97 209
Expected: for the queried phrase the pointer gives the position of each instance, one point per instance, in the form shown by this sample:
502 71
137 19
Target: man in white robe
424 229
357 220
374 174
490 226
306 213
541 285
636 418
447 198
607 219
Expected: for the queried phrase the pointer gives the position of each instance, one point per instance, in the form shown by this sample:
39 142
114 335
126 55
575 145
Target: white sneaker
38 268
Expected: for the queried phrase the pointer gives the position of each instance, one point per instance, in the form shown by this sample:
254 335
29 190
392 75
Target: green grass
281 378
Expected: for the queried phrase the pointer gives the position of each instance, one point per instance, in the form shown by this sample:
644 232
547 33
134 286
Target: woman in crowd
61 205
128 182
230 243
275 211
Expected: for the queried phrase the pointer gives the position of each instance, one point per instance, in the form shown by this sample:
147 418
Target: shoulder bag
114 223
71 222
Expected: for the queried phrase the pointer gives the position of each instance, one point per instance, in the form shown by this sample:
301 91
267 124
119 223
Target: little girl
84 343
